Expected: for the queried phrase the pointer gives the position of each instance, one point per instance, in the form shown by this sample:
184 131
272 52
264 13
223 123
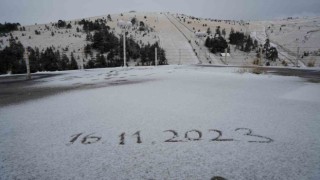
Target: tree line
50 60
97 25
63 24
101 40
7 27
11 58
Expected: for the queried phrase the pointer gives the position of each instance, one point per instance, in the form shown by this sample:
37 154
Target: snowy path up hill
178 50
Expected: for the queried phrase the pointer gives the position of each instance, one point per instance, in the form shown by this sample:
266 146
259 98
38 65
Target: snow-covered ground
290 34
169 122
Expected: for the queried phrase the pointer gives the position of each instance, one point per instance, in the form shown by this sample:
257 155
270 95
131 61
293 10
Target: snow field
281 112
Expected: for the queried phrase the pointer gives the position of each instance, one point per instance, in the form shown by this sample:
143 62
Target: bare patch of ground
16 89
311 75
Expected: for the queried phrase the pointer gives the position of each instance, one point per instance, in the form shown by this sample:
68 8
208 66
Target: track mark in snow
150 74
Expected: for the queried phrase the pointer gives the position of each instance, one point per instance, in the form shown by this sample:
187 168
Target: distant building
223 54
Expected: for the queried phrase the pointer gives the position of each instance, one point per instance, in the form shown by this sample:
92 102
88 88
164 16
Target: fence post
179 56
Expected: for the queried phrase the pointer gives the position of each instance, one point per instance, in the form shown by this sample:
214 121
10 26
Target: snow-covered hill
175 32
293 37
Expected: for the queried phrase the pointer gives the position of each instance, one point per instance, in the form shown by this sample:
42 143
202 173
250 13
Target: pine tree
272 53
64 62
267 45
224 33
69 26
218 32
109 17
208 42
90 64
133 21
255 44
73 64
33 60
208 31
11 58
101 61
218 45
249 44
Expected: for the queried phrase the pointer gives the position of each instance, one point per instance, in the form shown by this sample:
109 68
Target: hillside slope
176 35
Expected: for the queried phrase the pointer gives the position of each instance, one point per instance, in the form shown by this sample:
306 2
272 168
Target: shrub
69 26
258 70
284 63
256 61
311 63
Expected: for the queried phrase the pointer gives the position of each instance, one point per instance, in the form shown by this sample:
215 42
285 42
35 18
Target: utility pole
27 64
82 63
297 59
199 51
260 55
225 56
124 26
156 58
124 49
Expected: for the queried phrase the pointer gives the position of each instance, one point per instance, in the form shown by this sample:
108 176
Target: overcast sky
44 11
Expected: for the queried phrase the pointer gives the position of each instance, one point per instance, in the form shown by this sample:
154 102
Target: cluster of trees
100 61
7 27
242 42
50 60
114 50
105 42
148 54
63 24
11 58
37 32
97 25
102 40
217 44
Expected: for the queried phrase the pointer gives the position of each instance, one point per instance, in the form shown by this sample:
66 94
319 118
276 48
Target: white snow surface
35 135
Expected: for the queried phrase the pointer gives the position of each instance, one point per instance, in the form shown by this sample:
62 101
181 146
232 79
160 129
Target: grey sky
43 11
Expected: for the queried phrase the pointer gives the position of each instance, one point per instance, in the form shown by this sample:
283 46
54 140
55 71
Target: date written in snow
191 135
